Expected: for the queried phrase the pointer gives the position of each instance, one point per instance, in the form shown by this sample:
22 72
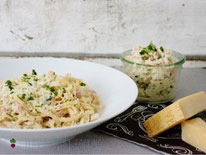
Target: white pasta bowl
116 91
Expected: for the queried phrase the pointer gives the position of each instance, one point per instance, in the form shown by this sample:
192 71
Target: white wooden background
102 26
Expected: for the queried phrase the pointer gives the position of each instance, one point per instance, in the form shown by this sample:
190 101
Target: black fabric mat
129 126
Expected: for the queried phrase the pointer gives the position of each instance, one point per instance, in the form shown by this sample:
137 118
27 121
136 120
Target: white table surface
91 142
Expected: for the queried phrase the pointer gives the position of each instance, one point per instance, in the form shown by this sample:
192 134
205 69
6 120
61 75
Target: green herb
25 78
36 79
55 76
11 116
48 88
55 93
73 95
149 70
9 84
52 89
159 57
64 90
143 52
160 82
136 76
55 124
82 84
144 58
37 106
161 48
171 86
23 96
49 99
34 72
31 98
151 47
12 92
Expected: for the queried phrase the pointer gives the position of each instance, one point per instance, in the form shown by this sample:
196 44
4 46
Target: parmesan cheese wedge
175 113
194 133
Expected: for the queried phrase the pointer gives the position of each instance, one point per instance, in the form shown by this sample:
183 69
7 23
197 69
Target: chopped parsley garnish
36 79
144 58
159 57
9 84
149 69
55 93
48 88
23 96
151 47
171 86
64 90
82 84
143 52
73 95
161 48
31 98
49 99
136 76
25 78
34 72
55 76
11 116
37 106
52 89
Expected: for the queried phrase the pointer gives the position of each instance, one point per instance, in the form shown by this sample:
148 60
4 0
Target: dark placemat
129 126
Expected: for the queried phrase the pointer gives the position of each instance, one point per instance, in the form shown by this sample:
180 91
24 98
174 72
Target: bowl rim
178 63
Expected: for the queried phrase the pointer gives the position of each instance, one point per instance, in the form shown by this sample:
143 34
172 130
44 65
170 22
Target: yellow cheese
194 133
175 113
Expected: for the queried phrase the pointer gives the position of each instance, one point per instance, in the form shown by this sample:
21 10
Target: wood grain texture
102 26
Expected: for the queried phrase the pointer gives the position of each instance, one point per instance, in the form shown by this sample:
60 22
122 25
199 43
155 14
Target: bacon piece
50 73
78 94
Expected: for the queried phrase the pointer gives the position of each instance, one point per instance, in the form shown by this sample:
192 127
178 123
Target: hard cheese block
175 113
194 133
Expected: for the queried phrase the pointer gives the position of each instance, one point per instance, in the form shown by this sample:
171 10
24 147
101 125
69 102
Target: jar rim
178 63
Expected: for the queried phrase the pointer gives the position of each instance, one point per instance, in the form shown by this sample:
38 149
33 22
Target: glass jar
156 83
